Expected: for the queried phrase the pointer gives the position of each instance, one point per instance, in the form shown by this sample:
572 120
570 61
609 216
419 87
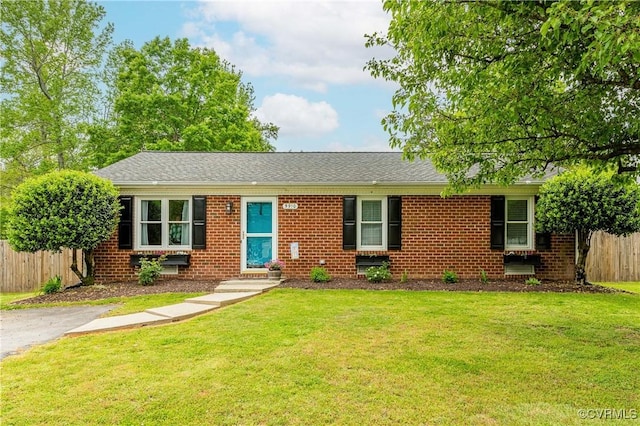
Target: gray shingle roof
270 167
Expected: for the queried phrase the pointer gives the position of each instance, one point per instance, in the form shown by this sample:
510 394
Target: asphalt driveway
23 328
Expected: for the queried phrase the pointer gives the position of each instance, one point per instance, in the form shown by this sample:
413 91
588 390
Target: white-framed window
163 223
372 223
519 215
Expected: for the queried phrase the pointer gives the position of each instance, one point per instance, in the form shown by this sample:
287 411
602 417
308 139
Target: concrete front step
234 286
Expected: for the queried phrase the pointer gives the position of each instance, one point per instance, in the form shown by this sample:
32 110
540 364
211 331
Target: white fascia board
173 188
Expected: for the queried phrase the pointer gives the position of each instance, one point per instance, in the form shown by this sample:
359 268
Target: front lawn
126 305
630 286
346 357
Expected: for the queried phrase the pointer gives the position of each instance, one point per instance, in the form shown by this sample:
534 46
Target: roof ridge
270 152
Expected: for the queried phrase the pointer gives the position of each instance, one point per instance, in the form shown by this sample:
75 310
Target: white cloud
296 116
316 43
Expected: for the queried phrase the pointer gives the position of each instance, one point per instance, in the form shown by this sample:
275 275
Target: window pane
151 234
152 210
371 234
179 234
179 210
371 210
259 218
259 251
517 234
517 210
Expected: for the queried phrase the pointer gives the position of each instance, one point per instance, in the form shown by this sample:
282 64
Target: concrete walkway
227 293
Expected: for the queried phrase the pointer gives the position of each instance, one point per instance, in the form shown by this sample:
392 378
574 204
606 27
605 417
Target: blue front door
259 232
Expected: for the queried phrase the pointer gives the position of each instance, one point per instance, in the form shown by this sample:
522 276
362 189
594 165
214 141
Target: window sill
172 259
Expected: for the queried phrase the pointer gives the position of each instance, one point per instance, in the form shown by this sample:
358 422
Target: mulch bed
170 285
462 285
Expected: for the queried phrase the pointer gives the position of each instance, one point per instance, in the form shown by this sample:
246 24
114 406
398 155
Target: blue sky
304 60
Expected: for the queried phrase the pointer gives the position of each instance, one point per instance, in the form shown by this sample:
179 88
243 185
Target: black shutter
543 239
394 215
349 222
125 226
199 224
497 222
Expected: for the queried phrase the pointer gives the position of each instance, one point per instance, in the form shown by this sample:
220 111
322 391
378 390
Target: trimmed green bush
319 274
376 274
532 281
53 285
582 202
449 277
64 209
150 270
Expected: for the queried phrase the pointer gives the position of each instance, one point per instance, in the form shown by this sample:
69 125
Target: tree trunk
89 263
584 244
74 264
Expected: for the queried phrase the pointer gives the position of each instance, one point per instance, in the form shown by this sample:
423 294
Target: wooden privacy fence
23 272
614 258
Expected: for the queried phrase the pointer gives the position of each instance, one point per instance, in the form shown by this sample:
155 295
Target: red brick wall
437 234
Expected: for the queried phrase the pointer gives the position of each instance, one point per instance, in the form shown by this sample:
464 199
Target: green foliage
66 209
150 270
53 285
505 88
319 274
484 278
174 97
532 281
376 274
51 54
582 202
405 276
449 277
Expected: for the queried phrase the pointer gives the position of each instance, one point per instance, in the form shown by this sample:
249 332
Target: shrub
376 274
484 278
450 277
319 275
405 277
532 281
150 270
53 285
64 209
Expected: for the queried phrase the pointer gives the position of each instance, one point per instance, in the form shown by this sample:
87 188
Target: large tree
64 209
52 52
171 96
494 90
583 202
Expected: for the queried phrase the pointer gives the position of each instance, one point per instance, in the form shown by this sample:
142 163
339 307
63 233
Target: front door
259 232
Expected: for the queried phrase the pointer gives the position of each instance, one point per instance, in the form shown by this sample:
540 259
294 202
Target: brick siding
437 234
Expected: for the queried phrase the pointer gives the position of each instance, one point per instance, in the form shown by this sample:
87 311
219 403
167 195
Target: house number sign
290 206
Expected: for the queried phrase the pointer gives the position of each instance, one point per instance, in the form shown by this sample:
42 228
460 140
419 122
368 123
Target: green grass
126 305
7 298
631 286
300 357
